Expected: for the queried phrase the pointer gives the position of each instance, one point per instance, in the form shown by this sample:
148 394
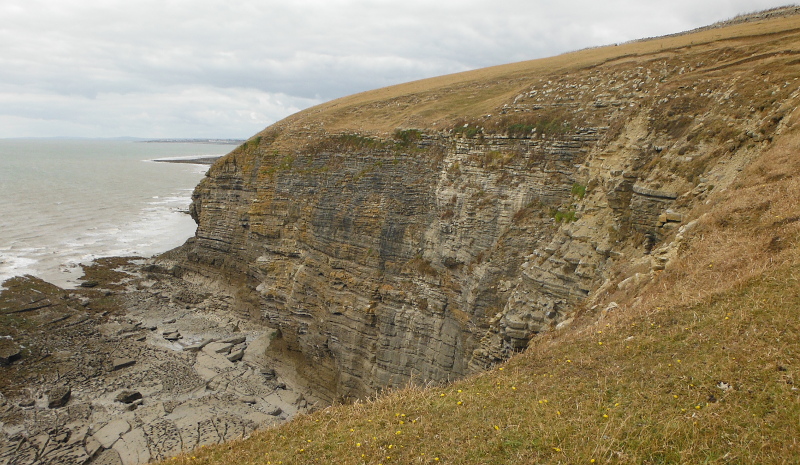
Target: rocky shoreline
135 365
192 161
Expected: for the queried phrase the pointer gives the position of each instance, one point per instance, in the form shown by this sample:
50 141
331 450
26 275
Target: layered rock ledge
140 372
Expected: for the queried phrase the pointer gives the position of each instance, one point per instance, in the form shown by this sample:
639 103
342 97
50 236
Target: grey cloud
206 67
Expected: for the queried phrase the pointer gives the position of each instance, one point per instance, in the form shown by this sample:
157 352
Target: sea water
65 202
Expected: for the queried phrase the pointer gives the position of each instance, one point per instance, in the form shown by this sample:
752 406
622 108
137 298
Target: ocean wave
93 199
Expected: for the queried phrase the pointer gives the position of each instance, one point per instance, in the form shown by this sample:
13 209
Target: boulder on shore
128 396
58 396
120 363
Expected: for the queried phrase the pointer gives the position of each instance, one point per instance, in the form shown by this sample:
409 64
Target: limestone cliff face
385 254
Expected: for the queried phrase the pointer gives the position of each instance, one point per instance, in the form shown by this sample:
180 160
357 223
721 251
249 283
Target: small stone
236 356
120 363
133 406
675 217
199 346
170 405
275 412
89 284
58 396
248 400
173 336
234 340
128 397
25 403
281 386
221 348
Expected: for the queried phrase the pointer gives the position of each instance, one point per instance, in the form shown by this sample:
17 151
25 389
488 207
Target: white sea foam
12 265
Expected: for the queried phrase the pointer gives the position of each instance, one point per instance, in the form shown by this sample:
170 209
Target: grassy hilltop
695 365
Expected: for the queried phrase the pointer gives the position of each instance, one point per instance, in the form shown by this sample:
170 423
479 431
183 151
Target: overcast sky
229 68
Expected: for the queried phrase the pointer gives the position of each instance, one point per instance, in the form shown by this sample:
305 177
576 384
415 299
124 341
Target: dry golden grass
741 232
439 101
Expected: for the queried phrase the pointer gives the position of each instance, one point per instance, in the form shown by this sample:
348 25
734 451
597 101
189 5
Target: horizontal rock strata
427 254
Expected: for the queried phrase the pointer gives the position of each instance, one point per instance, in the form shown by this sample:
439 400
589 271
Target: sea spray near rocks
65 202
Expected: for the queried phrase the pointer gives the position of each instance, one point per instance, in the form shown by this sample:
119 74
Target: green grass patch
467 130
407 137
578 191
563 216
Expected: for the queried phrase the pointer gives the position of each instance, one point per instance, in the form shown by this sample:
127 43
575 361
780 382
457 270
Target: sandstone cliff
425 231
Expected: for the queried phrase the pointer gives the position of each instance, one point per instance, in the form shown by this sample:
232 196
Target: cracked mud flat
129 373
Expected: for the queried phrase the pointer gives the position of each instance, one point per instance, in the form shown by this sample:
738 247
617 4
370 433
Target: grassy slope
437 102
643 384
642 390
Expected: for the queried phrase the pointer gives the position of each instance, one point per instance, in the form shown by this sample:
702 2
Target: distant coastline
193 161
65 180
196 141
